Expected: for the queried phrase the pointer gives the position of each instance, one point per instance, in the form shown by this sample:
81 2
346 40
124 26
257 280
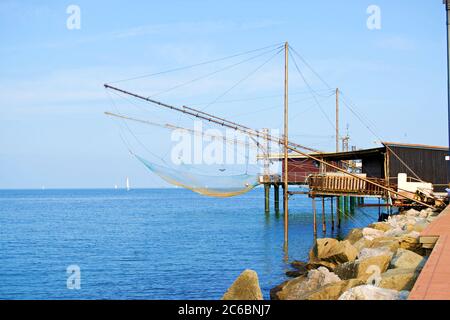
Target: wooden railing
333 183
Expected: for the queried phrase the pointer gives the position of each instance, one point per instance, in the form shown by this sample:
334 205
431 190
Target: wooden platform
434 280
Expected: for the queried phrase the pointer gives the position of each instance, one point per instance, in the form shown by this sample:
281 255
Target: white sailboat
128 184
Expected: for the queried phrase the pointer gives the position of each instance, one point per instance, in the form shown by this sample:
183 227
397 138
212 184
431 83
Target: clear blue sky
52 128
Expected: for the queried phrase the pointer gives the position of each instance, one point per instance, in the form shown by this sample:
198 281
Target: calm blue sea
147 243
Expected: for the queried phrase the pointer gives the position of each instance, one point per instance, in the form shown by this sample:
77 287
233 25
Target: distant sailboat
115 186
128 184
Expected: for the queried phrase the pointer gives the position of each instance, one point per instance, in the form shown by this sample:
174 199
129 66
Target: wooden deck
433 282
337 184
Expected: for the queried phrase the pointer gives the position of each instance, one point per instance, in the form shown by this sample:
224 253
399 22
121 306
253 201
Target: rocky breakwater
379 262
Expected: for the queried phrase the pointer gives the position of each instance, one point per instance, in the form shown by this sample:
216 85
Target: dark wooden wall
374 166
429 164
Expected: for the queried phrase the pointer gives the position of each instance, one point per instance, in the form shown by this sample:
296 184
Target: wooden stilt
267 197
346 204
332 213
314 216
339 210
379 209
324 225
276 191
352 204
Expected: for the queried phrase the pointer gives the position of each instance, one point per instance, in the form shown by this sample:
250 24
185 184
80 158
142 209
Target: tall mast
285 179
337 119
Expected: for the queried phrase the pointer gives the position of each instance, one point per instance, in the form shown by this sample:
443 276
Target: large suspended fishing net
206 162
215 186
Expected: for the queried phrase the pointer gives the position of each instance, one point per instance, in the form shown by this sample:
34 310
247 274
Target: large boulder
298 288
399 279
369 292
300 269
424 213
382 226
362 243
299 265
371 233
420 226
406 259
245 287
363 268
372 252
390 243
411 242
396 232
412 213
332 251
354 235
332 291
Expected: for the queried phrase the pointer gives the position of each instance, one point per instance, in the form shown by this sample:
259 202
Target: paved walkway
433 282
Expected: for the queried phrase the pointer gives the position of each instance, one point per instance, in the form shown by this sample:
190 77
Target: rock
420 226
406 259
362 268
320 263
299 265
332 291
301 268
399 279
362 243
372 252
411 242
370 233
395 232
382 226
275 290
412 213
390 243
354 235
424 213
333 251
298 288
397 221
369 292
245 287
296 273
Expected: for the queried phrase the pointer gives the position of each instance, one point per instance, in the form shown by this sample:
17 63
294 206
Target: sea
150 243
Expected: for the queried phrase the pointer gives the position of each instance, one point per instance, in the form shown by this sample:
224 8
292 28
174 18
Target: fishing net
195 156
214 186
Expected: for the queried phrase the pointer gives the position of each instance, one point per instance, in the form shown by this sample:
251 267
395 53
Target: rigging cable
148 75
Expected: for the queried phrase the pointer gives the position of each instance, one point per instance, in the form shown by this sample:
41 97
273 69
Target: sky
53 132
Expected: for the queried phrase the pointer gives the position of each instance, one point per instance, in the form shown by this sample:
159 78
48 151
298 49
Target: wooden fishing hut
406 168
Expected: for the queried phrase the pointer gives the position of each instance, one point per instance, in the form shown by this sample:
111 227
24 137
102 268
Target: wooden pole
332 213
337 119
379 209
339 209
276 191
285 190
324 225
267 197
314 216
